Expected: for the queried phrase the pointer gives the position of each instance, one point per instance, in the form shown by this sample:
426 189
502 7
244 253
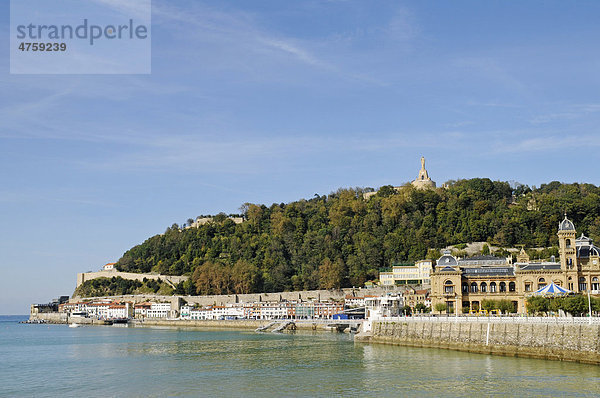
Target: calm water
105 361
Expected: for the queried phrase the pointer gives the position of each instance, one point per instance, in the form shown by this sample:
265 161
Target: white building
119 311
108 267
159 310
383 306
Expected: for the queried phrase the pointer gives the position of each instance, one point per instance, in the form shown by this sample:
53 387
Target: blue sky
271 101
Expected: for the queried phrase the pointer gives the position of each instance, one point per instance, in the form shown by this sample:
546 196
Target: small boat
74 325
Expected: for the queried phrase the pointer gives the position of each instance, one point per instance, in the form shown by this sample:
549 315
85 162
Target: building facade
408 274
463 286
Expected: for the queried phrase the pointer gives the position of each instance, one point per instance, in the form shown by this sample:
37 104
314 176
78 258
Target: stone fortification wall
558 341
86 276
50 317
306 295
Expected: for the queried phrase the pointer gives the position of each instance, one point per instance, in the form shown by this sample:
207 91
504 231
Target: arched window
448 287
493 287
483 287
473 287
594 279
568 243
465 287
581 279
512 287
502 287
541 283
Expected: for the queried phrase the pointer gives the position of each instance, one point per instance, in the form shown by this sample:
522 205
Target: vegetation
576 305
440 307
421 308
117 286
505 306
343 240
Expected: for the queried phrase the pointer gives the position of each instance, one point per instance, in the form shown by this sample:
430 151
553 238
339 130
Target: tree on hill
285 246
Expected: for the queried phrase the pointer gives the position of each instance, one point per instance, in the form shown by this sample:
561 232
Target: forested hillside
343 240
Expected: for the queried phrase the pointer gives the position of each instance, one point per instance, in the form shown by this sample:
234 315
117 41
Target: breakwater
565 340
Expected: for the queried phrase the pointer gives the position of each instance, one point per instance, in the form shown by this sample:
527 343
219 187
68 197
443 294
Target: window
473 287
541 280
512 287
568 243
502 287
527 286
465 287
582 286
448 287
493 287
483 287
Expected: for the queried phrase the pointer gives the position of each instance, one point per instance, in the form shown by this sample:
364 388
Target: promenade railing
492 319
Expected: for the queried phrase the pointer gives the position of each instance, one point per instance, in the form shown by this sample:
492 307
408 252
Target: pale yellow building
408 274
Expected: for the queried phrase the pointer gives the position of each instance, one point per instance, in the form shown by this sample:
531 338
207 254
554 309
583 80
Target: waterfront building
141 309
462 287
408 274
383 306
119 311
159 310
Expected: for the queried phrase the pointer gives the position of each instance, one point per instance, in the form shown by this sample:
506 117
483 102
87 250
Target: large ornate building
462 286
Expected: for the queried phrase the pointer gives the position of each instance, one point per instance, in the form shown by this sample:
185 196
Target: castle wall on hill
86 276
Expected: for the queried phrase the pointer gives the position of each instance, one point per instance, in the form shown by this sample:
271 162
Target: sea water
119 361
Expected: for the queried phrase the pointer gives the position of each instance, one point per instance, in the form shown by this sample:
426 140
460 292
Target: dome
566 225
447 260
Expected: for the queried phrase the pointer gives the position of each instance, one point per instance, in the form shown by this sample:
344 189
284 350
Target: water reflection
159 362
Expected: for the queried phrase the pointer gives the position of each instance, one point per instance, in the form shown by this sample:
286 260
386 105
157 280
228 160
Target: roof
447 260
538 266
447 269
566 225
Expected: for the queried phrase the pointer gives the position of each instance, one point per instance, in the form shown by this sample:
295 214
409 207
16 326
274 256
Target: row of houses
269 310
109 309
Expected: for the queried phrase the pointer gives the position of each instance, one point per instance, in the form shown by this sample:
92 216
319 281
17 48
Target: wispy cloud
549 143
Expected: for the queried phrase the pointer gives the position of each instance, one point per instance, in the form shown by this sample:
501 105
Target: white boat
74 325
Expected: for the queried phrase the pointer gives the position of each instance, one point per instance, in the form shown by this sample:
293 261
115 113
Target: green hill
343 240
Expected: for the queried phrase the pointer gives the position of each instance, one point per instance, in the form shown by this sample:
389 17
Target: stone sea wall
565 342
248 324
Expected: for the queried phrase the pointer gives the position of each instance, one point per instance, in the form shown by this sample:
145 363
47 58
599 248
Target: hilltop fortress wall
86 276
